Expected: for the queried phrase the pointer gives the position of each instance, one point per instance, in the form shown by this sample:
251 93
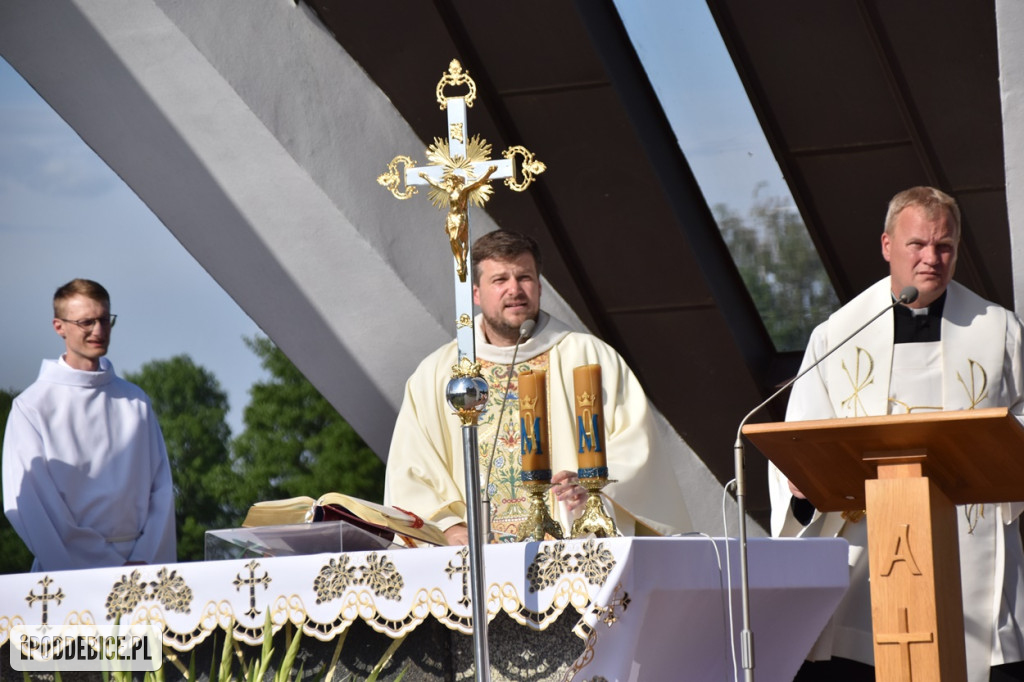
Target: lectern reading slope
908 472
973 455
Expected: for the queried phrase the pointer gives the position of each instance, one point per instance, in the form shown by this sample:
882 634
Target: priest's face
508 294
921 252
86 343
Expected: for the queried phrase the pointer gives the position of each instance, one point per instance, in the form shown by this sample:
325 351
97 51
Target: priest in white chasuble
949 350
425 470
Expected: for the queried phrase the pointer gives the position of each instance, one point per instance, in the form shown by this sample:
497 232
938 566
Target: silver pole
477 576
746 634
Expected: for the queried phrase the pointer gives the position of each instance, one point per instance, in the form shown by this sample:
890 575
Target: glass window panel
694 78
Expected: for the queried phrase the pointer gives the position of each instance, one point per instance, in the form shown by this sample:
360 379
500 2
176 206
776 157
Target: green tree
781 269
295 443
191 408
14 555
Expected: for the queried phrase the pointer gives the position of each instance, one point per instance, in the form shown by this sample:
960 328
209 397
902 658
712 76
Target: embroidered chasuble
425 470
509 505
976 363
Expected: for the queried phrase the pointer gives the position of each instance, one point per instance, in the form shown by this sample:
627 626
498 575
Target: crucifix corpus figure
454 194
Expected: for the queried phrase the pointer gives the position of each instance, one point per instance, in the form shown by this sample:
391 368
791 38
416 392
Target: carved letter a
901 552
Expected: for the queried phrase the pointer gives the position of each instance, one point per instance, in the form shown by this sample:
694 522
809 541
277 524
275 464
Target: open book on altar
376 518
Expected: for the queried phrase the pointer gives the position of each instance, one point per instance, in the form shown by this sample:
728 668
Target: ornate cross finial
455 76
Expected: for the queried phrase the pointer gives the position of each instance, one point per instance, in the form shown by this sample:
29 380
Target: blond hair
930 200
76 287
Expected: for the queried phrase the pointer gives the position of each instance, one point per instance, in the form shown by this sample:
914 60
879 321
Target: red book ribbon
417 522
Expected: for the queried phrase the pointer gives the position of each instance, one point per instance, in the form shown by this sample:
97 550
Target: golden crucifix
459 173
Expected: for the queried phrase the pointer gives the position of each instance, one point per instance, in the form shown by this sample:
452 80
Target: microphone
524 333
907 296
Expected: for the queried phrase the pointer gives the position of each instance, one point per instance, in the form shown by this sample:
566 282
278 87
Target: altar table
646 608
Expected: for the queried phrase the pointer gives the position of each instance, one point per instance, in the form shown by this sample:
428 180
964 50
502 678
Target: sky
704 100
65 214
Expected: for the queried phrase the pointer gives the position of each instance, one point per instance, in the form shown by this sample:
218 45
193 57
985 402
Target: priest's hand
568 489
796 491
458 534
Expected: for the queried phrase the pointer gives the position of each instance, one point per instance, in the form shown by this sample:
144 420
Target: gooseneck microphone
907 296
485 499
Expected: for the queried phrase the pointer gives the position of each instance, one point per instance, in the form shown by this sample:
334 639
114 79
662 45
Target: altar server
950 350
86 481
425 469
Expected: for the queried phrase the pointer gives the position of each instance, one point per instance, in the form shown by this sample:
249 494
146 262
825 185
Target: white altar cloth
650 608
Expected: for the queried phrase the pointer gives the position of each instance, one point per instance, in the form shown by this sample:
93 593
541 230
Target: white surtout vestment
86 481
976 364
425 471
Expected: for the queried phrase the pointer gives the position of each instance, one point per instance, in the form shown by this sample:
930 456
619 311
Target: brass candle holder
594 520
538 523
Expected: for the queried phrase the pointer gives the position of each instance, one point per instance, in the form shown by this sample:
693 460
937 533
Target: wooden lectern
908 472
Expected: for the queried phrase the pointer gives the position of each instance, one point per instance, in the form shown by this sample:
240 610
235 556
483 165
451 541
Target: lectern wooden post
914 562
908 472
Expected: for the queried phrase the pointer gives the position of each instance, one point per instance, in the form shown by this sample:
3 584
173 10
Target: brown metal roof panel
700 383
610 202
850 194
987 231
818 70
530 44
949 76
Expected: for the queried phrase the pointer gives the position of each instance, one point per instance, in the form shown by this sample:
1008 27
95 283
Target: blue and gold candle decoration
590 451
533 426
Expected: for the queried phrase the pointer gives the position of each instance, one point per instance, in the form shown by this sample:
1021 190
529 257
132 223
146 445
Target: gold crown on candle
586 399
528 402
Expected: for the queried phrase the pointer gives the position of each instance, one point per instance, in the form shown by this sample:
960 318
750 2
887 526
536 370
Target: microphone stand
485 500
907 296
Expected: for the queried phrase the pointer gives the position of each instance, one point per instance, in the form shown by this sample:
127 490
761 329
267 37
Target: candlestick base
538 521
595 520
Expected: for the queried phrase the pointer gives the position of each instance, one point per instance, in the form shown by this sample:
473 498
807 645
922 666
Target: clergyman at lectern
947 350
425 464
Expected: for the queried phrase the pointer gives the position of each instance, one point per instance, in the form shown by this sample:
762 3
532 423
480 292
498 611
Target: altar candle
533 425
589 421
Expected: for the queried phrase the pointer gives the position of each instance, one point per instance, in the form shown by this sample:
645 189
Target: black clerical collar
921 325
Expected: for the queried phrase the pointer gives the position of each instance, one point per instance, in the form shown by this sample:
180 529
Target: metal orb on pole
467 395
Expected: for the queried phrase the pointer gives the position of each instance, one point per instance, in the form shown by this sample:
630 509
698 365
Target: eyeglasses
87 325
